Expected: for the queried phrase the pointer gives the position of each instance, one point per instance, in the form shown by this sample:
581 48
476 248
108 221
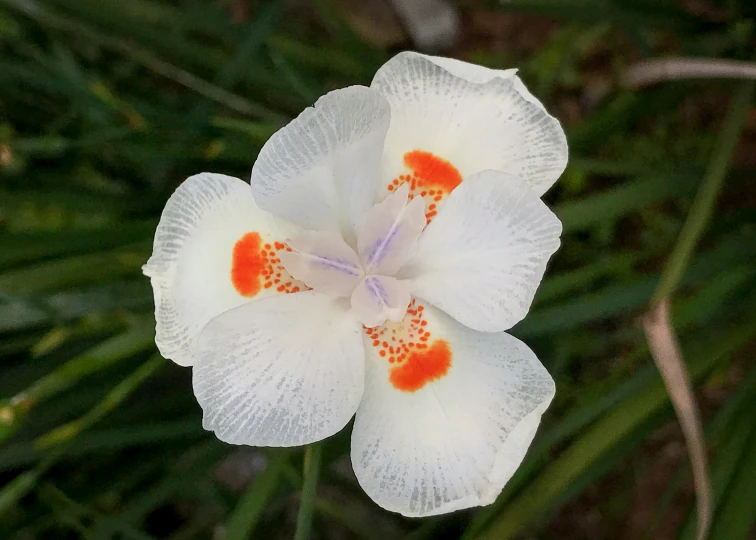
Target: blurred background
107 105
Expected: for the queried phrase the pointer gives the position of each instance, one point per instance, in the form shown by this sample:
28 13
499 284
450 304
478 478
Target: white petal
323 261
482 259
320 170
480 74
445 427
387 236
468 126
282 371
380 298
214 250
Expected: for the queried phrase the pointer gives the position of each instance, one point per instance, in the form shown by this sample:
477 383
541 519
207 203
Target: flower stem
312 460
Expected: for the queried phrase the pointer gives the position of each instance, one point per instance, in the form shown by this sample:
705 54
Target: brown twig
669 360
649 72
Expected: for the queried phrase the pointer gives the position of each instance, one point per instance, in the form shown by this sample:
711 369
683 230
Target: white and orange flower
388 236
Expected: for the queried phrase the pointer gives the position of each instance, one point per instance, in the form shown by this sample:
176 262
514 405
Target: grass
106 106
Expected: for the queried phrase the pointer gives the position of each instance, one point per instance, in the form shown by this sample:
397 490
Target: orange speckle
247 264
422 367
433 170
254 266
413 362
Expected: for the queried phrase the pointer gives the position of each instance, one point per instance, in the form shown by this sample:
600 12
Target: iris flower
388 237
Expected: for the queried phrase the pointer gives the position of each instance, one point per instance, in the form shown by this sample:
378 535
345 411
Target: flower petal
320 171
480 74
380 298
445 427
282 371
214 250
482 259
448 125
323 261
387 236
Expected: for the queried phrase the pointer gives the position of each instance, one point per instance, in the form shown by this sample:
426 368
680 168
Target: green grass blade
703 205
312 462
248 511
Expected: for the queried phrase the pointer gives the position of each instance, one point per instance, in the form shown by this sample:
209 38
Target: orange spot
432 170
413 362
422 367
253 266
247 265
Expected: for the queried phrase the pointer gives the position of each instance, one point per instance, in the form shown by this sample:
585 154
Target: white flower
358 214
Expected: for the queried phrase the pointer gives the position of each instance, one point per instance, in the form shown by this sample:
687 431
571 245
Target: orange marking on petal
247 264
422 367
415 358
432 170
254 266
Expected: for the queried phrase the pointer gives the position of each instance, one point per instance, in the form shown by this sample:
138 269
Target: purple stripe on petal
380 248
339 264
376 289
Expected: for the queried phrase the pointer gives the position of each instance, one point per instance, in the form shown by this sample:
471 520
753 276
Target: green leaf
247 513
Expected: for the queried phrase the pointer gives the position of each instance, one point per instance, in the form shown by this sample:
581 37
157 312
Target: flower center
386 239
